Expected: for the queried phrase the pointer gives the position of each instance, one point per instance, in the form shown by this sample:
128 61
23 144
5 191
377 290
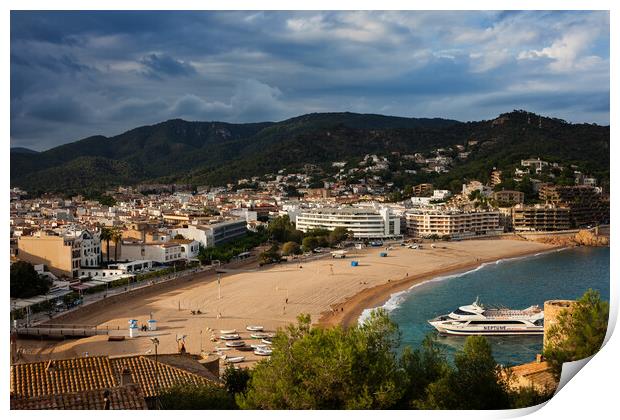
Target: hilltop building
508 197
496 177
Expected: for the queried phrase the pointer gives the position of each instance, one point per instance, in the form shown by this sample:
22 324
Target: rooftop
52 377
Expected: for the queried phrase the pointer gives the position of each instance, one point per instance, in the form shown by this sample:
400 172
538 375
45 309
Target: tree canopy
359 368
291 248
579 333
26 282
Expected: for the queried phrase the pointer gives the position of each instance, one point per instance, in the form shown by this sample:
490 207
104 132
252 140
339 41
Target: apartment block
586 205
545 218
454 223
422 190
508 197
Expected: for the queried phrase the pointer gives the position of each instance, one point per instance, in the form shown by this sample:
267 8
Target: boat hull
504 332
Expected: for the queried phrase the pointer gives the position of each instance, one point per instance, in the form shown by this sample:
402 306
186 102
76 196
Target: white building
247 214
537 164
454 223
190 248
438 195
162 253
364 223
89 245
133 266
476 186
214 234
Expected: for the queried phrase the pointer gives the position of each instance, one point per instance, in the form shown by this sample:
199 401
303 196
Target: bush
197 397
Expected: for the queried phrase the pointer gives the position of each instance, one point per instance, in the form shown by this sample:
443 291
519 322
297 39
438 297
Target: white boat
265 341
262 352
228 331
237 359
239 343
475 319
259 346
218 349
229 337
259 335
254 328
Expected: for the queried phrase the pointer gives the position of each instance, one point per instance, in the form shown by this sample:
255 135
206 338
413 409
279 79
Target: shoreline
374 297
271 297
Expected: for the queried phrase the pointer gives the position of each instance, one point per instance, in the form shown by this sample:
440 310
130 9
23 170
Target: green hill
214 153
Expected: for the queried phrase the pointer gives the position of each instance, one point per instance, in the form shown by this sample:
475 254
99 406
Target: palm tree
106 235
117 237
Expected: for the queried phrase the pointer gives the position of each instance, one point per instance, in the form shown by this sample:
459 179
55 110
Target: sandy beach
330 290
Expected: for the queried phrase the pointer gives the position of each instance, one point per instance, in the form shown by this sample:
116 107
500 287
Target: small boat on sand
259 346
244 348
237 359
265 341
263 352
228 331
254 328
229 337
259 335
239 343
222 348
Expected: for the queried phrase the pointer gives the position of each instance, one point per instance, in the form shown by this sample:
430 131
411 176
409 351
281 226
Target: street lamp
155 342
219 284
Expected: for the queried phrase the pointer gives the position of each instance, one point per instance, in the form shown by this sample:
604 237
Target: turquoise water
514 283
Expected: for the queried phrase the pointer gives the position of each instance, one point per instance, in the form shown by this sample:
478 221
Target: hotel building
364 223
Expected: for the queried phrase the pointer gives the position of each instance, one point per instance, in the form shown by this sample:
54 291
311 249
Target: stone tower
553 308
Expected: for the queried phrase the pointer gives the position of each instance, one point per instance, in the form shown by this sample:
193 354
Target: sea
516 283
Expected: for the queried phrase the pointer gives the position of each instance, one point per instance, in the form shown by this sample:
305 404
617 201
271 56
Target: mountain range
214 153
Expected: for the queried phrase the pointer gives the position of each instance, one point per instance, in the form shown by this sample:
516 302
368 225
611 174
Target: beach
330 290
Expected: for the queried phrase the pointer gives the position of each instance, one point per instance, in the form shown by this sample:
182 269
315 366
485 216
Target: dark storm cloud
75 74
159 65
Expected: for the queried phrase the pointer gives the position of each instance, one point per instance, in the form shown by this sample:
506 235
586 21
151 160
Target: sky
77 74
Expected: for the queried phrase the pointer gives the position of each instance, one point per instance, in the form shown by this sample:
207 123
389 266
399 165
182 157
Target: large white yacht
475 319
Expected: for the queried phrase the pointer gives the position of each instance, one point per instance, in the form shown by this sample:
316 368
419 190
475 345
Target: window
460 312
